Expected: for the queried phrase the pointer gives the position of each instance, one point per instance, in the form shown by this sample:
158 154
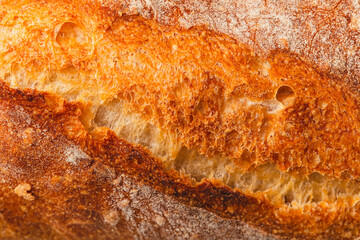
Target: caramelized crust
207 90
61 182
202 94
325 33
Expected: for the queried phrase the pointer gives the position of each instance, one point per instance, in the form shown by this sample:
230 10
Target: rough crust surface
97 185
210 91
56 163
324 32
60 182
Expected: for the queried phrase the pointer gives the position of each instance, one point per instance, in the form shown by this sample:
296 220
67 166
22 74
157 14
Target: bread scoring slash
268 140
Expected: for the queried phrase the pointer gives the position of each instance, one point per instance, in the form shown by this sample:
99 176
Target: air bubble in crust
285 95
73 39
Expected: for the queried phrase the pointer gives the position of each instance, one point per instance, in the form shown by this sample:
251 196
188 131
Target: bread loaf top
209 91
268 139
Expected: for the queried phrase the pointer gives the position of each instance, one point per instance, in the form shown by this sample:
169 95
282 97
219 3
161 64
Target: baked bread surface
193 116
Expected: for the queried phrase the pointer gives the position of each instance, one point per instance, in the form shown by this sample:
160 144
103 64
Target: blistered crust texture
324 32
59 182
191 97
207 90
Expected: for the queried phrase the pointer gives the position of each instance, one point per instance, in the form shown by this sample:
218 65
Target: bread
116 125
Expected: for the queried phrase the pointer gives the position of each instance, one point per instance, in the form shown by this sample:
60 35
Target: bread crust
210 91
93 186
82 183
324 33
66 178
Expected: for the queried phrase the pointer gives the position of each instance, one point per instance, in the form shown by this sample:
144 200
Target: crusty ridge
89 185
287 189
208 90
60 182
325 33
220 99
219 122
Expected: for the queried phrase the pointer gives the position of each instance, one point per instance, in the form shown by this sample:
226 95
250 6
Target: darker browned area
95 185
116 190
101 195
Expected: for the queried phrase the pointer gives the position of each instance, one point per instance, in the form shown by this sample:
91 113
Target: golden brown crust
88 187
325 33
207 89
82 183
61 178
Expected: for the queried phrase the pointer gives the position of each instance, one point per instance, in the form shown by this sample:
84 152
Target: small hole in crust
289 197
285 95
73 40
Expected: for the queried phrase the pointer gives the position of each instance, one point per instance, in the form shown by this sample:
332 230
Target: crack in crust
209 91
113 179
